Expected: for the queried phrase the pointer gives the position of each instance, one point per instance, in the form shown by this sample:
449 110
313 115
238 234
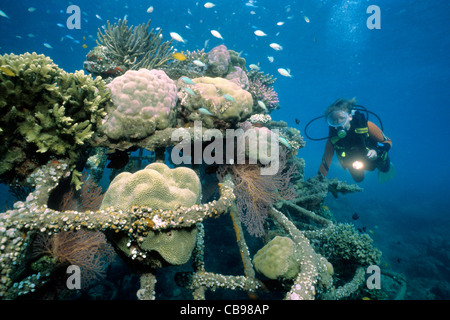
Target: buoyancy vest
356 143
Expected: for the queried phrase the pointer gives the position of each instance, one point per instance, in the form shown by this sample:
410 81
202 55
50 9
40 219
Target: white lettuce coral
143 102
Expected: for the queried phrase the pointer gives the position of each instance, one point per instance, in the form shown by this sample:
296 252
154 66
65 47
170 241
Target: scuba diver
359 144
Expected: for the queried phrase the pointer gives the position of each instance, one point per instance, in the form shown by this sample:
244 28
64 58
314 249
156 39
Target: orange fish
179 56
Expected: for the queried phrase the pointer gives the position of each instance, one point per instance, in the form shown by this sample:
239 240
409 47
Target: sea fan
88 250
256 193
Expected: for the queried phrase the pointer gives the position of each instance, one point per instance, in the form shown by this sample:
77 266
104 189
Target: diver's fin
386 176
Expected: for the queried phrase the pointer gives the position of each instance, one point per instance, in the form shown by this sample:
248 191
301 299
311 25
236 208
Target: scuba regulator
339 121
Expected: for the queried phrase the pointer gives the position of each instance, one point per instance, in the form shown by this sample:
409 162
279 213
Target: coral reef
239 77
218 61
343 244
266 98
277 259
88 197
314 278
17 226
312 192
314 269
259 76
142 102
224 99
99 62
45 113
192 67
56 125
156 186
256 193
88 250
121 48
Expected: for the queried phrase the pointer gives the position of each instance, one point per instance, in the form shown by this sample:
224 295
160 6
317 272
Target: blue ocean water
401 72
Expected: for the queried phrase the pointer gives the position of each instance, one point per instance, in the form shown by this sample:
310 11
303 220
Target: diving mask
339 119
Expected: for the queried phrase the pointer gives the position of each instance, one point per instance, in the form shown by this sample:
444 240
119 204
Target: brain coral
156 186
225 99
143 101
159 187
277 259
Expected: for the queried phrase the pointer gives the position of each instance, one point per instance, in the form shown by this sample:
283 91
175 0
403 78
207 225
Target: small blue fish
47 45
198 62
189 91
2 14
186 80
205 112
285 142
100 18
229 98
60 25
262 105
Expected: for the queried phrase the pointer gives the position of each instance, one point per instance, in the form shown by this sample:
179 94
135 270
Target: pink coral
264 93
239 77
143 101
218 60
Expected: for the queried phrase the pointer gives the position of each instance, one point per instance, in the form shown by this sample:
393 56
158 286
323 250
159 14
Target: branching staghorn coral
125 42
264 79
135 47
265 97
345 245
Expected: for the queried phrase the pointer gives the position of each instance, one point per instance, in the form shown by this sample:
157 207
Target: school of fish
177 37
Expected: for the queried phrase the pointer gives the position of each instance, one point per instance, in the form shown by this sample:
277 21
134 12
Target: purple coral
265 94
87 249
218 60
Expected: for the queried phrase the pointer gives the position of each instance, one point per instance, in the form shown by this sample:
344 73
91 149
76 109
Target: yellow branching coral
45 113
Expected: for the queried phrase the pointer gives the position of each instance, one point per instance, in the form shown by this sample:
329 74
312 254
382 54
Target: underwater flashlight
358 165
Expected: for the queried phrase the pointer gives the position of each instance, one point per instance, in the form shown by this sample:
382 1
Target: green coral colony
55 124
